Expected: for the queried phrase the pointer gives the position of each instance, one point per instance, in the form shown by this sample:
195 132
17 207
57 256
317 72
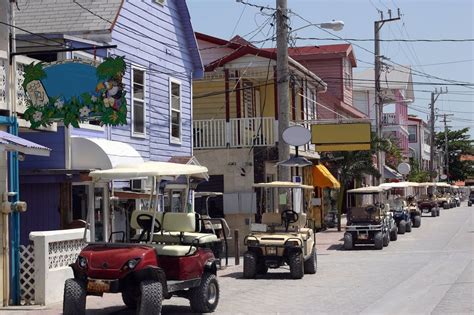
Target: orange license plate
98 286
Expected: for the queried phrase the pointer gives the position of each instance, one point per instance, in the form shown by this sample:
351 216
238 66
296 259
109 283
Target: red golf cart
159 255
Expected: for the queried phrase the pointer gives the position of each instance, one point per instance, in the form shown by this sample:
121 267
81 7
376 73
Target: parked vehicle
428 201
165 257
369 220
217 226
470 200
283 237
444 196
404 208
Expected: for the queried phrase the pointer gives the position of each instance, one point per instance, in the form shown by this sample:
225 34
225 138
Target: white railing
389 119
238 132
3 79
53 252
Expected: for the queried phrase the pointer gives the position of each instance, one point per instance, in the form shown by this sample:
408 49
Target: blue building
157 40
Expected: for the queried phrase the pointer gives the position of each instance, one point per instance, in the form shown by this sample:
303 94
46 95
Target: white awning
9 142
98 153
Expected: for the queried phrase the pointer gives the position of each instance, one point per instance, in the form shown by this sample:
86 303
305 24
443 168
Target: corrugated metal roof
14 143
66 16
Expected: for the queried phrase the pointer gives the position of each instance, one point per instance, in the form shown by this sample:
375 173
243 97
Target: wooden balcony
236 133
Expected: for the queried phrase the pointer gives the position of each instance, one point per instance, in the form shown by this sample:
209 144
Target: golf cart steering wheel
289 216
145 220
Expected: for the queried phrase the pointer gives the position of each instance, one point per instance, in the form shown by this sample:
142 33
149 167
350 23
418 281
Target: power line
31 33
419 40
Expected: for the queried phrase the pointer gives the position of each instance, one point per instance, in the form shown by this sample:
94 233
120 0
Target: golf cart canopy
282 185
147 169
431 184
396 185
368 190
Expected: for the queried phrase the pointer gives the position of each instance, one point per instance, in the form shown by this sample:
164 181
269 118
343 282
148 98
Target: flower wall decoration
72 92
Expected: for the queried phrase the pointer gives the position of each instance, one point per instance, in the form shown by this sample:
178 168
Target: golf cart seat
271 218
179 228
174 250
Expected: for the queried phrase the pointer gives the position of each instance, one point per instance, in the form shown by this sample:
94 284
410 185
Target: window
175 111
138 102
347 73
412 136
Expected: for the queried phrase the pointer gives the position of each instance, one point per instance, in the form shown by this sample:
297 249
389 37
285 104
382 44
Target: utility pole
446 150
378 98
434 97
282 85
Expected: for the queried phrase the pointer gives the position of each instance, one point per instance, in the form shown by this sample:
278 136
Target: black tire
417 221
469 203
262 269
131 296
311 264
348 241
250 265
386 239
438 212
446 205
402 226
151 295
204 299
296 263
393 234
378 240
408 226
433 212
74 302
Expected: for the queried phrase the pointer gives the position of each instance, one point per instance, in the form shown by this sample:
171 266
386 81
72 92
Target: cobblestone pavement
429 270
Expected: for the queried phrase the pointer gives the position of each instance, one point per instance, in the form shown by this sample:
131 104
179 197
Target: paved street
427 271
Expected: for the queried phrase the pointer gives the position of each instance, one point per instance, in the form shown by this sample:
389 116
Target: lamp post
283 79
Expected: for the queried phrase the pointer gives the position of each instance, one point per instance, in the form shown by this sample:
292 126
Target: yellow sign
341 137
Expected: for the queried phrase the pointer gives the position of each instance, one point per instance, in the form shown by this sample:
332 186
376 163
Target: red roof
322 51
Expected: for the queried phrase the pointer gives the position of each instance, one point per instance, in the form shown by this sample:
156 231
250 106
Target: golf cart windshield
396 204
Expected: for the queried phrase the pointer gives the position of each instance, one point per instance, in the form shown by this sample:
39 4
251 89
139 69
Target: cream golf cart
162 256
283 236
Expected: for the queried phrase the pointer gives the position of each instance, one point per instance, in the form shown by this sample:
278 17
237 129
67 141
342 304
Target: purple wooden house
157 39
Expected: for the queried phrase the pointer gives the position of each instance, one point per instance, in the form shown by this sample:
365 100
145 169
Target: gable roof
66 16
323 52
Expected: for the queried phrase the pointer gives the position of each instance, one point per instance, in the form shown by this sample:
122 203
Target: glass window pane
138 76
175 124
138 117
175 103
138 91
175 89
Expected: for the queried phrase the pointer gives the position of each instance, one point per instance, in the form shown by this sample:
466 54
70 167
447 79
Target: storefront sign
72 92
341 137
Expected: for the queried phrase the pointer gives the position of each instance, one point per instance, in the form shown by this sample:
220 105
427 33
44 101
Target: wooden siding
347 89
152 37
52 140
329 70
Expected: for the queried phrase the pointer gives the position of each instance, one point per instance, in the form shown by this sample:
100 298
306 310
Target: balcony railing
390 119
238 132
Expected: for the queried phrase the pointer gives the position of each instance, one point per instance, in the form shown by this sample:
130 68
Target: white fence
238 132
390 119
45 264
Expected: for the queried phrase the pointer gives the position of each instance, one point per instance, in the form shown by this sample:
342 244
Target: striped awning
9 142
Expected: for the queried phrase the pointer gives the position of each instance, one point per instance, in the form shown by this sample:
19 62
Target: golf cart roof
455 186
147 169
395 185
368 190
199 194
443 184
282 185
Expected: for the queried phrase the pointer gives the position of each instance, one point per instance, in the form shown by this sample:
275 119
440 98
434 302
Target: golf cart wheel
150 298
433 212
296 262
250 265
205 297
311 264
417 221
446 205
402 226
74 302
394 234
386 239
469 203
348 241
378 240
130 296
438 212
408 226
262 269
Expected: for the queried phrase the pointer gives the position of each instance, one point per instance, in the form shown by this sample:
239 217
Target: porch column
275 96
237 95
227 107
293 101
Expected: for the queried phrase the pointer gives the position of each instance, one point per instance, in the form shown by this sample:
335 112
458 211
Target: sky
420 19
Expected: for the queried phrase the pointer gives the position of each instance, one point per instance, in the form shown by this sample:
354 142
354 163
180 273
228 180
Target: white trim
175 140
132 103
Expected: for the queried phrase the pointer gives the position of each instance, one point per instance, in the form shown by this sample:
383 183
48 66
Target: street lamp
333 25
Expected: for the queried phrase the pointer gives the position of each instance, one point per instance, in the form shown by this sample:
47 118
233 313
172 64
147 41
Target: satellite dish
296 135
404 168
443 176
